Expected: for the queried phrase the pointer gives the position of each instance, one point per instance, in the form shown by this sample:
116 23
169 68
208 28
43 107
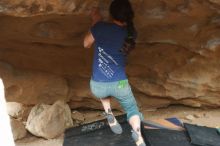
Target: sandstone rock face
78 117
176 60
18 129
32 87
37 7
49 121
15 110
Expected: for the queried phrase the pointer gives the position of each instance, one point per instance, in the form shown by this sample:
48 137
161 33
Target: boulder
18 129
49 121
15 110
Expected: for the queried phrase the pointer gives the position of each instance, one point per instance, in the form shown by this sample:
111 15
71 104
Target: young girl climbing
113 42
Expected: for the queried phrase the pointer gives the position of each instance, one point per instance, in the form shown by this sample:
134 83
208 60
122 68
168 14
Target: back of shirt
109 61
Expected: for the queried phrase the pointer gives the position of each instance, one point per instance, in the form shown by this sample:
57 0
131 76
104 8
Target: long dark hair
121 10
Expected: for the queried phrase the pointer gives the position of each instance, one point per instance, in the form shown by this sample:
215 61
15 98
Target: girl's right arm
96 15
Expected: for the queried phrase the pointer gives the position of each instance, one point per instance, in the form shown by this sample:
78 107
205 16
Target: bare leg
113 123
135 123
106 102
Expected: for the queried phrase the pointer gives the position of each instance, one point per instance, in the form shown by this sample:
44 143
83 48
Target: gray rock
49 121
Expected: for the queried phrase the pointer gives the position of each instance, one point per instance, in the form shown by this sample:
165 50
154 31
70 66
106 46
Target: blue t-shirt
109 61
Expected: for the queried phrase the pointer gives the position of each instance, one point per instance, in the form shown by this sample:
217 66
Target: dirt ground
206 117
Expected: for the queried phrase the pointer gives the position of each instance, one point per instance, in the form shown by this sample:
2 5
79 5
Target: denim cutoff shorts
121 90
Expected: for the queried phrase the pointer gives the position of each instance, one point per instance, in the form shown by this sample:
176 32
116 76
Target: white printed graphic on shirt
104 59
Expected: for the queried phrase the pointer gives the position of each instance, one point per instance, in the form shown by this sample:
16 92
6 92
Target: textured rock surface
32 87
15 110
176 60
49 121
18 110
18 129
37 7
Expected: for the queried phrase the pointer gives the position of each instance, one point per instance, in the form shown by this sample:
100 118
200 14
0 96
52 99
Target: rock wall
176 60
